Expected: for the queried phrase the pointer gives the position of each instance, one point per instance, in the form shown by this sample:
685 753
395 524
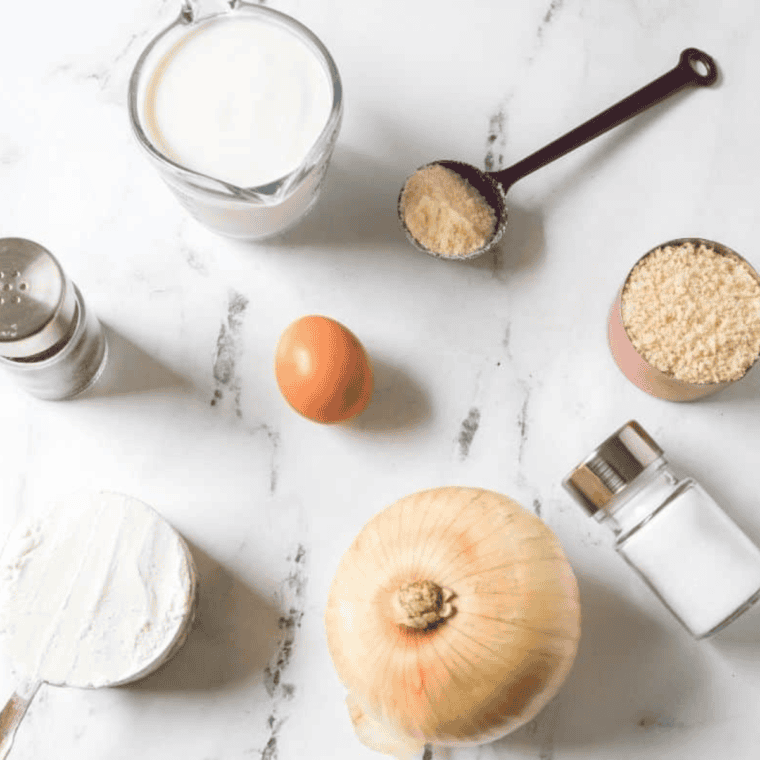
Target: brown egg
322 370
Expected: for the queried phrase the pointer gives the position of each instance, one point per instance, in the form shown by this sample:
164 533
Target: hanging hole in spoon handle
701 67
695 67
13 713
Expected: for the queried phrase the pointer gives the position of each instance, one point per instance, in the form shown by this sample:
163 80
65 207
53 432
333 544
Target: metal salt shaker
49 341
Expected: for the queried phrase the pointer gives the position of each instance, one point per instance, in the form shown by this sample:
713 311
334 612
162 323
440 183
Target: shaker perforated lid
37 300
612 466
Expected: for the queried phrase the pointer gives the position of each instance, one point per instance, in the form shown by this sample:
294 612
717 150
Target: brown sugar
694 313
444 213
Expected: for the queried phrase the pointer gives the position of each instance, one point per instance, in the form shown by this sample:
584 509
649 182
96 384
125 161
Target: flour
97 591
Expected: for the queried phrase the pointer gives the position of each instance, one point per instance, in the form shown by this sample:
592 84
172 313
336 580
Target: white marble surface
494 373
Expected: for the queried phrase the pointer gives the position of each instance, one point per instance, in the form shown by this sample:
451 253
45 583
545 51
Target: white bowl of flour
98 590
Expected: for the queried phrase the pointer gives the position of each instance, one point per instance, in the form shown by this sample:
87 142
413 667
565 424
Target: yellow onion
453 618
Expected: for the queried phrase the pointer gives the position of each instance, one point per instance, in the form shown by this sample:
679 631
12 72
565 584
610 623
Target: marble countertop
494 373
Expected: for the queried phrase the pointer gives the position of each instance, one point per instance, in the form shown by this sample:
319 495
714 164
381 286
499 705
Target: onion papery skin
501 656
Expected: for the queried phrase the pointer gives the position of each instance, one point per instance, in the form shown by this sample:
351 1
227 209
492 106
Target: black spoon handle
694 67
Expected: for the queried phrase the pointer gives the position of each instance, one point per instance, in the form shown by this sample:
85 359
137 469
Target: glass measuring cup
241 212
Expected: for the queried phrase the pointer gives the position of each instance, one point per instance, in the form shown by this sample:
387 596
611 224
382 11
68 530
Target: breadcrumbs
693 313
445 213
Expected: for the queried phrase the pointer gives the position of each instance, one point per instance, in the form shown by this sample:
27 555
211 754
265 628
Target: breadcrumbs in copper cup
686 322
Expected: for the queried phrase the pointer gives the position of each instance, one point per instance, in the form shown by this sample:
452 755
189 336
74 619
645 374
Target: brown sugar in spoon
462 195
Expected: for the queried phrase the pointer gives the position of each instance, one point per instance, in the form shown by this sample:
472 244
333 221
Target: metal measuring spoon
694 67
68 580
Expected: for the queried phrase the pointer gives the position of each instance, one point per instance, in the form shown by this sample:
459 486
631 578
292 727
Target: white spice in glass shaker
685 547
49 340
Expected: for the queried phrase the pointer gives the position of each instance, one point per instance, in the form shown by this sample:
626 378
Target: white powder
703 566
95 592
239 99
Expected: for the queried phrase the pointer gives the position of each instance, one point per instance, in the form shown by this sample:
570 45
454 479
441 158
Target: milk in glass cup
239 107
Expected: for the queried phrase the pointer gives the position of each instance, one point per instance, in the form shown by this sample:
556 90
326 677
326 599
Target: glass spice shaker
49 341
686 548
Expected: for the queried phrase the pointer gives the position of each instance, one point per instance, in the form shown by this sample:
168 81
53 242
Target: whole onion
453 618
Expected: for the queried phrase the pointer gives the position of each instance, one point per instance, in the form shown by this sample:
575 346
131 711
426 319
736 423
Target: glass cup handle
195 10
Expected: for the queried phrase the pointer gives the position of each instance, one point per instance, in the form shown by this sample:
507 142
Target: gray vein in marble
428 753
126 51
654 721
103 76
554 6
537 507
590 540
273 672
117 68
296 579
274 463
496 140
270 751
467 432
506 341
522 425
228 351
193 260
292 593
549 16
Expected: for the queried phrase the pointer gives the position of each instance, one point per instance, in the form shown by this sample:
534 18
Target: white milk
239 99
